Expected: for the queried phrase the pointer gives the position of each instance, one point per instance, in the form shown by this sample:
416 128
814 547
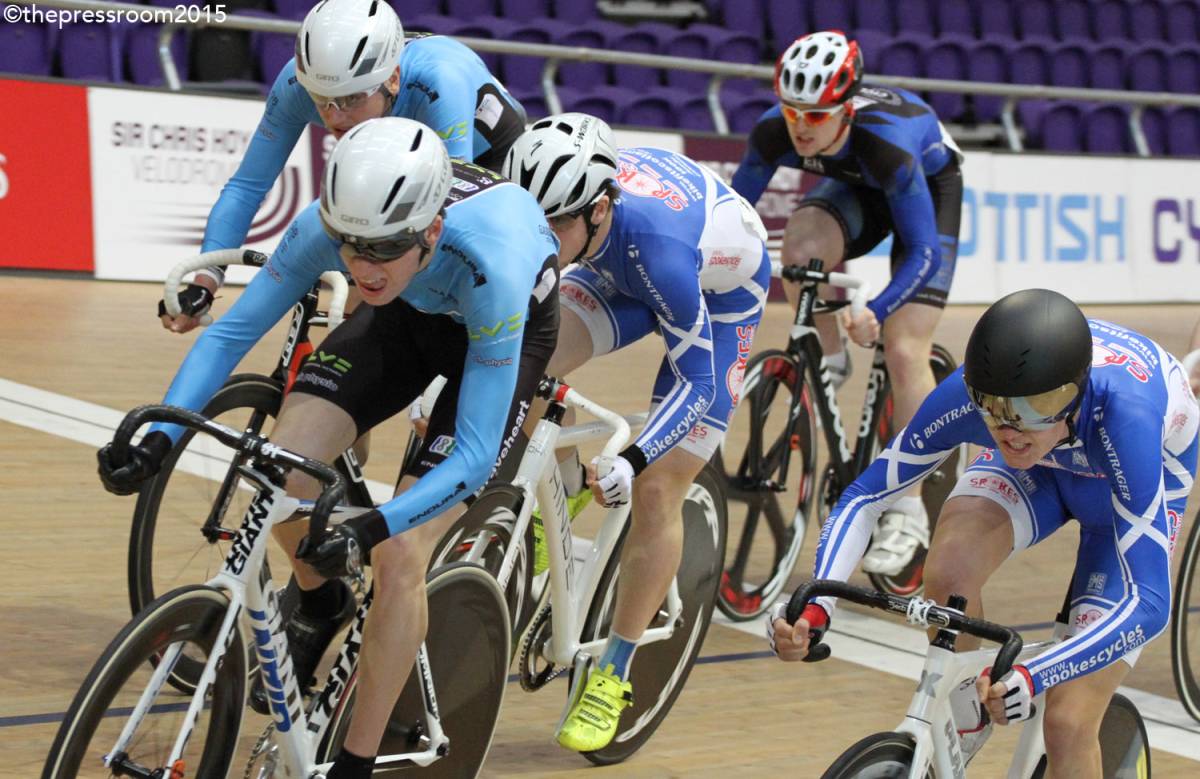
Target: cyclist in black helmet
1082 419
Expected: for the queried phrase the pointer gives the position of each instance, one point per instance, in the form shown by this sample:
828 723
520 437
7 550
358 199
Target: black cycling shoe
308 637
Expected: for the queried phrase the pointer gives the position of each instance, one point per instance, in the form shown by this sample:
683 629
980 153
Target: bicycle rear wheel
482 535
878 756
660 669
1124 746
934 490
468 643
100 710
778 424
1185 625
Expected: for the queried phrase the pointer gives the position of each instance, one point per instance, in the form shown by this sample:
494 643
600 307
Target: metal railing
719 72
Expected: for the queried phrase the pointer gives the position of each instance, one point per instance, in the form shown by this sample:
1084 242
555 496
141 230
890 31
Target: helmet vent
392 195
362 44
542 124
800 79
548 179
829 58
812 52
304 54
374 7
333 185
321 5
842 77
564 128
600 159
577 191
417 140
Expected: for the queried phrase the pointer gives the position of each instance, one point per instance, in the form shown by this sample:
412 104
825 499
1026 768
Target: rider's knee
398 565
907 358
950 566
1069 729
656 492
813 233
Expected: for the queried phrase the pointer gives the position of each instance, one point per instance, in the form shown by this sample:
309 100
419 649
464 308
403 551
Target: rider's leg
974 536
812 232
1074 711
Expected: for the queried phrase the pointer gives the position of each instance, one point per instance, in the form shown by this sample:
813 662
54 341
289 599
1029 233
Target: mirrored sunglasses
1033 413
343 103
375 250
812 117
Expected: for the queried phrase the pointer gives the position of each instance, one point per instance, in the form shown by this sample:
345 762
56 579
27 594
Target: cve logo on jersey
251 529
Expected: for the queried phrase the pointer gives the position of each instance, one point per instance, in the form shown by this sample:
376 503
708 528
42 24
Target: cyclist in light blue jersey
1081 419
458 269
352 64
888 168
663 245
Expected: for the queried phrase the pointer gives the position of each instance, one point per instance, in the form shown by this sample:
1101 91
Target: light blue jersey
482 272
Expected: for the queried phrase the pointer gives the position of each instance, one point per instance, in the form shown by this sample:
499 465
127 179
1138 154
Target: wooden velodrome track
74 348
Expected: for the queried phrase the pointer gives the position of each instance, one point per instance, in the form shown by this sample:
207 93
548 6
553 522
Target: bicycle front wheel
1124 747
660 669
934 490
1185 625
879 756
467 643
190 616
777 422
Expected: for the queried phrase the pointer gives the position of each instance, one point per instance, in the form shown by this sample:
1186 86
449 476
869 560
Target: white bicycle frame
931 724
243 579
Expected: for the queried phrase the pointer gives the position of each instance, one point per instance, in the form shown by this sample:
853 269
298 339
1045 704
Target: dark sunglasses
376 250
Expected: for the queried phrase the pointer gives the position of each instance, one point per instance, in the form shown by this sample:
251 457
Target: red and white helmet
820 69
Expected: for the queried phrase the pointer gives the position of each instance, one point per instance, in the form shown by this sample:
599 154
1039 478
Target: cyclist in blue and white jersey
352 64
662 245
889 168
1082 419
459 271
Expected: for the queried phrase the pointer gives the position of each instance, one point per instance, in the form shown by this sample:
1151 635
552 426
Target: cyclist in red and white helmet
889 170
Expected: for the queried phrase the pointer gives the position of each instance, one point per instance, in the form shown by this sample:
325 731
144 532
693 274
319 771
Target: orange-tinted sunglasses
812 117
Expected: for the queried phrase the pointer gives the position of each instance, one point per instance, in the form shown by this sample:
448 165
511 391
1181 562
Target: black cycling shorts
866 219
383 357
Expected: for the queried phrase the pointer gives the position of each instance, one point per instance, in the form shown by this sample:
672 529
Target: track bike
127 720
926 744
571 604
1185 611
787 396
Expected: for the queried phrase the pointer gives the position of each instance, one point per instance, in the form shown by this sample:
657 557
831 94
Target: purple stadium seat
1183 22
1183 74
988 62
521 72
1073 20
1028 65
874 15
1106 130
744 113
582 75
1053 127
479 27
141 55
1183 132
914 16
947 60
271 51
575 11
1069 66
996 20
524 10
824 15
24 48
90 52
1146 70
1146 22
1109 20
902 58
787 20
603 101
872 43
1154 127
954 17
642 39
1107 68
749 16
434 23
298 9
465 10
1035 20
694 115
696 42
654 108
534 105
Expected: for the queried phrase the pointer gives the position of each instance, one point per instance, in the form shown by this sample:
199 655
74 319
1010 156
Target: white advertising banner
159 162
1099 229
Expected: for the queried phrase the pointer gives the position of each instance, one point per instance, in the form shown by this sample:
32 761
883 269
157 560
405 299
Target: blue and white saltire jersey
1125 478
441 83
895 143
482 273
685 255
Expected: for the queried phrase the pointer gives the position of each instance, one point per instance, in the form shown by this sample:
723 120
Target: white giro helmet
347 46
822 69
563 160
385 180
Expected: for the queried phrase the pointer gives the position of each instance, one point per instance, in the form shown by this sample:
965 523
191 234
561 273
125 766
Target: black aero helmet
1028 360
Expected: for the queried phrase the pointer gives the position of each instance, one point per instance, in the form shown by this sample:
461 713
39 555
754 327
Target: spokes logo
3 177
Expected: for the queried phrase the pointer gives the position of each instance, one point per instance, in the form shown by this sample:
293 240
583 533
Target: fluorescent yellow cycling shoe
541 554
592 722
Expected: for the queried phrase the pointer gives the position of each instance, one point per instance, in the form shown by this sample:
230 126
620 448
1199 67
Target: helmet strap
591 228
389 101
847 118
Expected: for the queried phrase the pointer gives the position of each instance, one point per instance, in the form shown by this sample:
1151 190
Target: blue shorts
1042 499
